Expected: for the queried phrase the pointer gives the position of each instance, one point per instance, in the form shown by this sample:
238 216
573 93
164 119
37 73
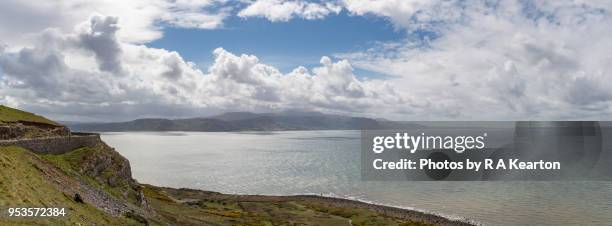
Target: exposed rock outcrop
24 130
111 170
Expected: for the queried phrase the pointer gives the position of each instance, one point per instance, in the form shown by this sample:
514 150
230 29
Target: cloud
473 60
284 10
508 60
89 70
400 12
141 20
98 36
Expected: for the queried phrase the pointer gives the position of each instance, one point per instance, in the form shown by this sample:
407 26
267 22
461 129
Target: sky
284 45
109 60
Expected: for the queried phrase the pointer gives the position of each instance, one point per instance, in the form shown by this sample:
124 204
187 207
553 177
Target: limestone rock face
26 130
107 167
8 132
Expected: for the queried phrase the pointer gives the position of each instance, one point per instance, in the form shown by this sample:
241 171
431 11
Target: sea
328 163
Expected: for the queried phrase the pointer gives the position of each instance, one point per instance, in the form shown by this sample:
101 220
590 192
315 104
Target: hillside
17 124
95 185
28 180
10 115
239 121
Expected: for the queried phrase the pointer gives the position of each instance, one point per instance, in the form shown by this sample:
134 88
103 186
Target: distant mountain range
240 121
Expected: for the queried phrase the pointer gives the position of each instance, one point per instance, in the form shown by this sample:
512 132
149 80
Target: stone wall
55 145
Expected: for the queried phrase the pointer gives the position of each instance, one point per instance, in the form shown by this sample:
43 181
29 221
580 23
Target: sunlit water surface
327 162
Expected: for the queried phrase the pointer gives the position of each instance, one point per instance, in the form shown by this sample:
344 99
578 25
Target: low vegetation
102 168
24 184
194 207
11 115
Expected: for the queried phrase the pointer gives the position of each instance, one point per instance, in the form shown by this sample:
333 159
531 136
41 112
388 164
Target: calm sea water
327 162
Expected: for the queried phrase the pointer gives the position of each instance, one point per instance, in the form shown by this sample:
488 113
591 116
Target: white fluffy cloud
401 12
284 10
90 71
502 60
520 59
140 20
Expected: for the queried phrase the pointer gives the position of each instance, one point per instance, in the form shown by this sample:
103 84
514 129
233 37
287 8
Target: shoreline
189 195
449 217
332 196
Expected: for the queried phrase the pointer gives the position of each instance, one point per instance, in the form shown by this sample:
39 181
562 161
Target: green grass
358 216
219 209
11 115
70 160
70 163
22 184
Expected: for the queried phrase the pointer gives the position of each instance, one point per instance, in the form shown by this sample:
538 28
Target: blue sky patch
284 45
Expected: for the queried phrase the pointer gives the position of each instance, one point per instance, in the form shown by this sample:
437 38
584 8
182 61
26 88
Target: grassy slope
9 115
70 164
22 184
